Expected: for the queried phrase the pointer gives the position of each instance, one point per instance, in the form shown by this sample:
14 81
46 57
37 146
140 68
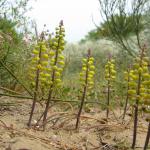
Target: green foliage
12 51
118 24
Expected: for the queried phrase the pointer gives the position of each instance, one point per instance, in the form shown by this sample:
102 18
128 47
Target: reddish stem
84 93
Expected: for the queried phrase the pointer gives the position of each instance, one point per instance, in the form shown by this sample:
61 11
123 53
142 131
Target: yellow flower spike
91 83
132 84
113 77
82 74
112 66
84 60
55 67
45 63
82 79
89 79
61 57
36 58
57 80
47 75
57 74
134 77
91 59
140 70
131 92
136 66
45 56
113 72
43 49
109 63
39 66
90 62
62 63
146 75
55 44
60 70
35 52
34 62
62 48
91 72
84 68
51 53
142 90
92 67
87 72
112 61
90 75
43 79
42 74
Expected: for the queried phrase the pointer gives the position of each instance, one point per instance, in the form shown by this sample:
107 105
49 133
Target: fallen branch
11 91
13 75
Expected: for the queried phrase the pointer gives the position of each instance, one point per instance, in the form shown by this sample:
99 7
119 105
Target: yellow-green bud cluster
56 57
110 73
39 64
87 73
127 76
139 80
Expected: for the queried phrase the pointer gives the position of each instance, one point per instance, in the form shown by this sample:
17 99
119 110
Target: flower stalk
86 78
110 75
56 65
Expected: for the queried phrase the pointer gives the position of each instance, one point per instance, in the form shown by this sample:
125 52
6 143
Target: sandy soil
94 133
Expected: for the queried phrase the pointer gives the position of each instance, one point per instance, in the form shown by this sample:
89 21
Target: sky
76 14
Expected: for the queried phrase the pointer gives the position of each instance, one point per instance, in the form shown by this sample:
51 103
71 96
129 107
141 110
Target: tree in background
14 52
121 20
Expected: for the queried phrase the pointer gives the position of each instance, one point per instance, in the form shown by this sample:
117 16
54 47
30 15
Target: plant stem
108 93
47 106
136 114
81 106
137 102
108 100
127 98
147 137
125 108
135 125
36 85
51 86
84 92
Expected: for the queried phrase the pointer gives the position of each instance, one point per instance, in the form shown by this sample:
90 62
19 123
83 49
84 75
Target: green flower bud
45 56
35 52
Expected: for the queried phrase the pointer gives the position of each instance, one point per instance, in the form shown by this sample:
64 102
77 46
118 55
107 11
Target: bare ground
94 133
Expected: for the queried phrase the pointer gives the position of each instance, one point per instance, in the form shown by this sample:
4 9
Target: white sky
76 14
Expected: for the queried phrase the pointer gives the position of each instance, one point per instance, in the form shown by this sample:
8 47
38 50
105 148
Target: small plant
110 75
37 71
56 65
137 86
86 78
